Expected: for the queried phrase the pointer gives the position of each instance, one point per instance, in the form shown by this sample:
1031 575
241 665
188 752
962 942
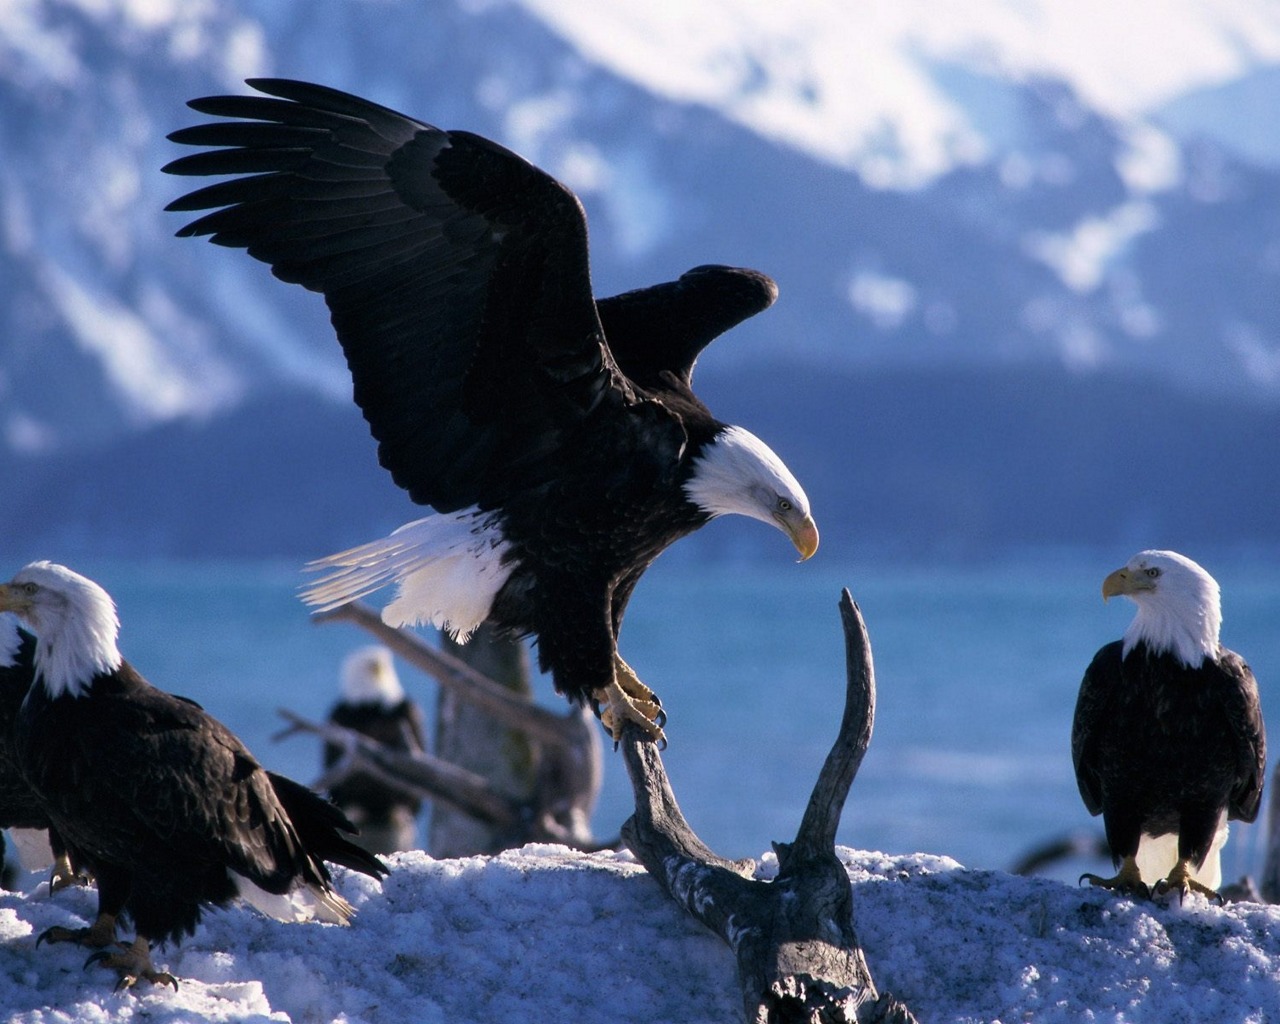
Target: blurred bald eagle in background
1168 740
557 437
374 704
168 810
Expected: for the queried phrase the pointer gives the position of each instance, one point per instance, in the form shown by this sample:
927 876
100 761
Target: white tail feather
1158 854
305 903
449 567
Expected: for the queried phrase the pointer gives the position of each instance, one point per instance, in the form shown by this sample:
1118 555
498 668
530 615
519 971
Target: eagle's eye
1153 572
784 505
29 589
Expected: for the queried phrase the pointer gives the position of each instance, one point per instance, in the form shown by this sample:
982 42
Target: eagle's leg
100 934
1180 880
1128 880
133 964
626 699
63 875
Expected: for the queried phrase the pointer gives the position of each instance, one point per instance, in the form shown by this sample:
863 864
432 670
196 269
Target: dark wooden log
799 961
470 737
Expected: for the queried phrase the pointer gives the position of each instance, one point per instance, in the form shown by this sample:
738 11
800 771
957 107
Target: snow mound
547 934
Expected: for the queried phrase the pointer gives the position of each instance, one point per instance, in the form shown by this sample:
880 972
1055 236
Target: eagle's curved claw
133 965
1180 881
626 699
1128 880
63 875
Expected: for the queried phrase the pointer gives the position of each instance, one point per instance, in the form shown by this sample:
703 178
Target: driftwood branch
417 773
796 947
537 723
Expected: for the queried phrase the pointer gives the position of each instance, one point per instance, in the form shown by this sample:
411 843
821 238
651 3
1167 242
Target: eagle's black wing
456 274
1244 719
666 326
170 778
1100 680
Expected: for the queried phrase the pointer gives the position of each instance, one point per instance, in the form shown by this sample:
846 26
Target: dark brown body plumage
20 805
161 801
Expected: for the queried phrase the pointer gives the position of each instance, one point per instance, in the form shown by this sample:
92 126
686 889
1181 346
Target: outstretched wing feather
455 273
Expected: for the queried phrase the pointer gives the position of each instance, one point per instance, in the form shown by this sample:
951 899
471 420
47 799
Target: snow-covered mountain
1058 183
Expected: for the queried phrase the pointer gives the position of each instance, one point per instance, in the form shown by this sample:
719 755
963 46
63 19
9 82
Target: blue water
977 668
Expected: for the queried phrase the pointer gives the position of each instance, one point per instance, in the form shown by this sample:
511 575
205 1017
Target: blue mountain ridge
168 396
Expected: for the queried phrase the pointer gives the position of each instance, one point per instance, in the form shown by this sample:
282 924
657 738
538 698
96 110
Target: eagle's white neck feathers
75 624
369 677
738 474
1181 612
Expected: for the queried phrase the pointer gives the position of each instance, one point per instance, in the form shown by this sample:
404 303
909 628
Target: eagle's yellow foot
63 875
133 964
627 699
1181 882
99 935
1128 881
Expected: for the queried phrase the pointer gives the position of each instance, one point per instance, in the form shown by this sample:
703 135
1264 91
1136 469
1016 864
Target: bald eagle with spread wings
556 436
1168 740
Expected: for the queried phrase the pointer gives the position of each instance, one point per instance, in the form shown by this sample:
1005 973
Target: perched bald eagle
166 807
374 704
556 436
1168 738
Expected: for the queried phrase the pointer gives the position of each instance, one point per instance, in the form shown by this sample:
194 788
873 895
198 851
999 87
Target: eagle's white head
1179 605
369 677
74 621
737 473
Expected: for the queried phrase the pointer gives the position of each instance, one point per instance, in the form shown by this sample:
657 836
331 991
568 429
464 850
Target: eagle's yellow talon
63 875
1128 880
627 699
133 964
1180 880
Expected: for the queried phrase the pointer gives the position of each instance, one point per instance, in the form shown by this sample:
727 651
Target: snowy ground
544 934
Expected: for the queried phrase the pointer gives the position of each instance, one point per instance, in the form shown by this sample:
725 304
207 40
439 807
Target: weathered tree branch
538 723
421 774
796 947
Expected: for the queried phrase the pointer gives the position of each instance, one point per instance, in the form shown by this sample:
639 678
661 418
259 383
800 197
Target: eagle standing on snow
1168 738
556 436
374 704
167 809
